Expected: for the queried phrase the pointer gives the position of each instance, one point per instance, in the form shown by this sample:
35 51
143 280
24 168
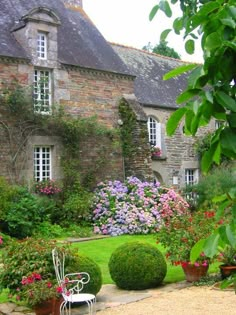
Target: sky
127 22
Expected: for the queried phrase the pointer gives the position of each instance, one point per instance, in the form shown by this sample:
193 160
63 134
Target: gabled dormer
37 34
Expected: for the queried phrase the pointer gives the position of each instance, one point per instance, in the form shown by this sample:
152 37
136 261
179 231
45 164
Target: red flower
49 284
59 289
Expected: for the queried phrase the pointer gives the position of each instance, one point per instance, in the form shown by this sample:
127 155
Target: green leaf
174 120
230 232
178 25
213 41
229 22
211 245
208 7
225 100
221 209
232 120
220 198
164 34
228 139
190 46
207 158
179 70
153 12
186 95
196 250
194 76
165 7
217 154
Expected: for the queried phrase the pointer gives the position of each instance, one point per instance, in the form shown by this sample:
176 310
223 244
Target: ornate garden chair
71 285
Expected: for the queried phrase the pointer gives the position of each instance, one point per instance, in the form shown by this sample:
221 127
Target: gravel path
187 301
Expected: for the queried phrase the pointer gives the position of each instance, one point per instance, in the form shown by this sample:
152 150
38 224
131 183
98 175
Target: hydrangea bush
133 207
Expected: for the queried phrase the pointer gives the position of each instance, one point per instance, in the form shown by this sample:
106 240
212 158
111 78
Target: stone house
55 49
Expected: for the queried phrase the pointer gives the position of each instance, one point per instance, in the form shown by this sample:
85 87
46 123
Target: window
42 91
42 163
219 124
154 132
42 45
191 176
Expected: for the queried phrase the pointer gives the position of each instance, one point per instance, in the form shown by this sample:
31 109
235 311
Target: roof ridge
153 54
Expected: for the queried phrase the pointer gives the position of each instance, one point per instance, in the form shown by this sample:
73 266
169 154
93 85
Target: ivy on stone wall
20 122
127 128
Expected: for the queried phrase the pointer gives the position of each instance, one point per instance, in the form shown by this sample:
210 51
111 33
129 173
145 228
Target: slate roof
149 68
80 43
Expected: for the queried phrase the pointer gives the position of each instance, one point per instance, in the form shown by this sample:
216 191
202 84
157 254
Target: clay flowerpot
49 307
194 273
227 271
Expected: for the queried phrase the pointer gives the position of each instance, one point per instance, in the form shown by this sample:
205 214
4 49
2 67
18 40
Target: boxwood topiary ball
137 266
84 263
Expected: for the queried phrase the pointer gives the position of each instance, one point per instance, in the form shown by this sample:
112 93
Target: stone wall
179 153
82 93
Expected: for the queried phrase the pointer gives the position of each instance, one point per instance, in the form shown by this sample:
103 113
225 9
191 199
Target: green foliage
215 21
25 213
162 49
7 192
137 266
126 131
217 182
180 233
16 99
21 258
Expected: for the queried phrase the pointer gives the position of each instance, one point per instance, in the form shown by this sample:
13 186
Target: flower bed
133 207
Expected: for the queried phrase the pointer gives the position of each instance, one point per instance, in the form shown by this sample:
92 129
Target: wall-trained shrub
133 207
137 266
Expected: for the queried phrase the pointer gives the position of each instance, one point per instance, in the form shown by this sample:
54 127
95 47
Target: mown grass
101 250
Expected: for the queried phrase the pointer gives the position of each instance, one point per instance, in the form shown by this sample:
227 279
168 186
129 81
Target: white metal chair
71 285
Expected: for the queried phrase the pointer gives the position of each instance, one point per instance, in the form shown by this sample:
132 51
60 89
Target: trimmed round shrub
86 264
137 266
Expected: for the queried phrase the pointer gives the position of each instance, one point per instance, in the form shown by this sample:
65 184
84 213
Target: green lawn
101 250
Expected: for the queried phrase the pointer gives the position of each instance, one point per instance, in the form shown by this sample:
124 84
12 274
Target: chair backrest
59 265
71 282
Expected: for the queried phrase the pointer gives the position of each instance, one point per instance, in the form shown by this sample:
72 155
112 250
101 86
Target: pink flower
49 284
196 264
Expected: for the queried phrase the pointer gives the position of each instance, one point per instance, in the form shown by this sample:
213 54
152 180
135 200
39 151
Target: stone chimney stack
73 4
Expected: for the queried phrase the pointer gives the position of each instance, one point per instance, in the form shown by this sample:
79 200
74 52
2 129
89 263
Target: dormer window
42 45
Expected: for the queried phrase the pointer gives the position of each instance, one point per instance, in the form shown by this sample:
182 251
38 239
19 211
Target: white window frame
191 176
42 91
154 132
42 45
42 163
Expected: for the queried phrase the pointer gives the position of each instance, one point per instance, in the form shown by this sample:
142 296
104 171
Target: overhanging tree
211 90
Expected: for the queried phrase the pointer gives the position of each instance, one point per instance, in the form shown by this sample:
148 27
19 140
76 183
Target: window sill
158 158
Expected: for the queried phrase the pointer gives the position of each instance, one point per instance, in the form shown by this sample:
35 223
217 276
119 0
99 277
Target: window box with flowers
180 232
47 187
157 153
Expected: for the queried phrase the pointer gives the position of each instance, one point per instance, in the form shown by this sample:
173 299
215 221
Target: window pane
42 163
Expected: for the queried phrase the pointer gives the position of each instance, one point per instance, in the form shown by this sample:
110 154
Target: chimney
73 4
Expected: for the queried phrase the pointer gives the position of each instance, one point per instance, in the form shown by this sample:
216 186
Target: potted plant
227 256
41 293
179 233
29 274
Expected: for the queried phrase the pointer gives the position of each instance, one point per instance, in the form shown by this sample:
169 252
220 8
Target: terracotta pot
194 273
227 271
49 307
